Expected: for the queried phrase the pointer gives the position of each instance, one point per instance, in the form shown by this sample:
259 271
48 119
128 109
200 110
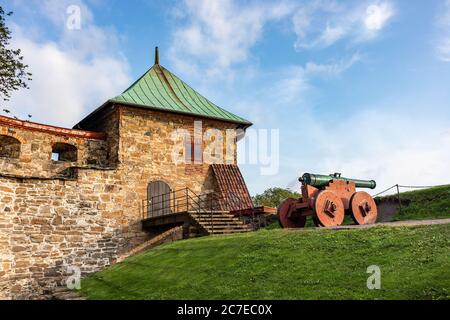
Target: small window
64 152
193 150
198 152
9 147
188 146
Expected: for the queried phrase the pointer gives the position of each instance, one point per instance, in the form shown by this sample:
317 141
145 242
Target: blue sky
358 87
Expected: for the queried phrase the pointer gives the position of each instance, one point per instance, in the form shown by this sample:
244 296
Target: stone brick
22 264
87 212
37 238
6 189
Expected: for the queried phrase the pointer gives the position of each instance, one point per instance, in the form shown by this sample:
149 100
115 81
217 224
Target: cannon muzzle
319 180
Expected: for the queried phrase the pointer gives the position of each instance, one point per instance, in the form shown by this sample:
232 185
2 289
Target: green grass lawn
284 264
424 204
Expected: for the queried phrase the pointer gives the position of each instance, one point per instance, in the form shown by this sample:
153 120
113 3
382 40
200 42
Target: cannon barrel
320 180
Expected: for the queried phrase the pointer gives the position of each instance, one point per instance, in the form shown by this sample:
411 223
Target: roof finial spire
156 55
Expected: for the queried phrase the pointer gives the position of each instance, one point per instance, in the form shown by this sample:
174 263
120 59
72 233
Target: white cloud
214 37
377 16
220 33
295 79
388 149
71 76
321 24
443 25
379 141
332 69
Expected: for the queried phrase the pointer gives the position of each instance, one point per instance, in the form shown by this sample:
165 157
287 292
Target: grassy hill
432 203
429 203
283 264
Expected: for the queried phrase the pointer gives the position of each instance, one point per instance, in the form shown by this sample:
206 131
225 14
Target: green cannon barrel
319 180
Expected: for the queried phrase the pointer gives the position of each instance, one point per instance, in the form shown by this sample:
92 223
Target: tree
13 72
272 197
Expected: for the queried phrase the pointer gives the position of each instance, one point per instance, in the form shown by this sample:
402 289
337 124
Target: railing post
150 204
211 213
187 199
174 196
398 197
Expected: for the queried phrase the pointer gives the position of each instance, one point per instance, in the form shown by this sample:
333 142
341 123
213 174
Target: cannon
328 198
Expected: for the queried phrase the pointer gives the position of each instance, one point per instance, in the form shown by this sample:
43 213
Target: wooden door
158 195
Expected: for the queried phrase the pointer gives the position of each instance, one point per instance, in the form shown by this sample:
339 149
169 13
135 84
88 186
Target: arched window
64 152
9 147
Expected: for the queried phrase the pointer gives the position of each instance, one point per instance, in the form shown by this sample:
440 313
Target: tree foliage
272 197
13 71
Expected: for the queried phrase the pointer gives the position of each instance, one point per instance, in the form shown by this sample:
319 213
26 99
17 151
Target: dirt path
406 223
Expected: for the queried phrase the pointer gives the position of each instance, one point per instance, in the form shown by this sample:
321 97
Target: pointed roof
160 89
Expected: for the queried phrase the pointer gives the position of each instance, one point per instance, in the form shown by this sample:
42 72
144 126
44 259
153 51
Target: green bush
272 197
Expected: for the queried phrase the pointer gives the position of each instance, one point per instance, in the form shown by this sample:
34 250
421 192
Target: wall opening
64 152
9 147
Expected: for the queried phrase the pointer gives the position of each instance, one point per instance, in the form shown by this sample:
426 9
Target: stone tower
73 197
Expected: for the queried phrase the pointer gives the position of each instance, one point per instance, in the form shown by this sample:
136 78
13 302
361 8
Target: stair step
219 220
226 228
222 224
218 216
209 212
229 232
218 223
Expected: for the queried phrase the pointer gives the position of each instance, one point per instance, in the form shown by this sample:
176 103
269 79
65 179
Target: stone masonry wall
47 226
146 145
36 151
93 217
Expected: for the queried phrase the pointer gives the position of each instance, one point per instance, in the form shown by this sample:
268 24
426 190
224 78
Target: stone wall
90 218
146 145
35 156
48 225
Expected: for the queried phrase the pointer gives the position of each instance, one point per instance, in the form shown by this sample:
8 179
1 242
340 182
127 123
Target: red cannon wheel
364 208
328 209
289 221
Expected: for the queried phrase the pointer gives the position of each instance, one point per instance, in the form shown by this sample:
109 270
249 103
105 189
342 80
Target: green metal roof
160 89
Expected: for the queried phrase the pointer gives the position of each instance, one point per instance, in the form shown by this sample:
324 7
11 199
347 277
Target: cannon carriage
327 199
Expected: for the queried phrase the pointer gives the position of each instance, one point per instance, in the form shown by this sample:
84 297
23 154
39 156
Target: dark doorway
158 197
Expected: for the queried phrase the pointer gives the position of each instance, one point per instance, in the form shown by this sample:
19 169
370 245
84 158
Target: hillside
429 203
283 264
432 203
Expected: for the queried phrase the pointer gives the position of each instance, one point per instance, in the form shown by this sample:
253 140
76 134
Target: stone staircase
219 223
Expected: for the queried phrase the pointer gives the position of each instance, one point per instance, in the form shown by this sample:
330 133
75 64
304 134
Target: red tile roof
232 186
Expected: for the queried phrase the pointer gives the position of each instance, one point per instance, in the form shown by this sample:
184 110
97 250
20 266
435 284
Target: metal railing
186 200
183 200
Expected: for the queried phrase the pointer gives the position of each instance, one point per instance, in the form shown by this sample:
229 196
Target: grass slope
282 264
432 203
429 203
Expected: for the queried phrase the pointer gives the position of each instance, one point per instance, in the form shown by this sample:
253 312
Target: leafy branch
13 71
